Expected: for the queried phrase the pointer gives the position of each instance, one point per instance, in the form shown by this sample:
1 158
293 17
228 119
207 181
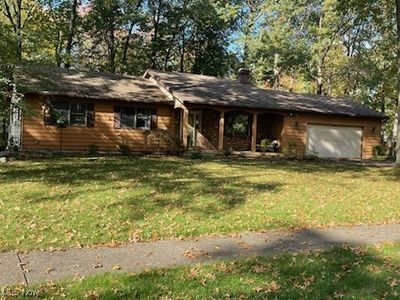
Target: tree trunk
126 46
328 89
19 29
320 61
319 79
245 54
14 16
383 111
156 20
182 59
398 83
276 71
111 51
393 141
128 38
71 33
58 49
168 54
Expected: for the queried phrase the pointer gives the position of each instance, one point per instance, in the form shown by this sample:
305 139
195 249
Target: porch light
373 129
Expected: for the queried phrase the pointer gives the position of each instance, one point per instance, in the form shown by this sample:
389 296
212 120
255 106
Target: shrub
378 150
176 147
228 152
196 155
93 149
14 151
311 157
265 143
290 150
124 149
158 137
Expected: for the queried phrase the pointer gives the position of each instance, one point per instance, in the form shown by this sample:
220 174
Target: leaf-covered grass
64 202
350 273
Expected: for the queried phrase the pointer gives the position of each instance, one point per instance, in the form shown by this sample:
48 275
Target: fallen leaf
259 269
49 270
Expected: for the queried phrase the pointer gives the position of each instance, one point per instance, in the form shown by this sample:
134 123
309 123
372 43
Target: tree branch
8 14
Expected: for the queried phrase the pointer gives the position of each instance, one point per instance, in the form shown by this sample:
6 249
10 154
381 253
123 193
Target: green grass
67 202
349 273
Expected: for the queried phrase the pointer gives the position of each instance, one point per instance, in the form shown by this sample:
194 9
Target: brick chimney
244 76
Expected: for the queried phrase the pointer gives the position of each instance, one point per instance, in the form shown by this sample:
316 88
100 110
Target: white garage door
334 141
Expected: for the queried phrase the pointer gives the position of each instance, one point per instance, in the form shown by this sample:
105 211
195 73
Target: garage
334 141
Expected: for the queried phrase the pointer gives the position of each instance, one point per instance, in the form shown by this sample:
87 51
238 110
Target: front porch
236 130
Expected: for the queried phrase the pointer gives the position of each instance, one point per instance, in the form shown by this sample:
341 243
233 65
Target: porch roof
207 90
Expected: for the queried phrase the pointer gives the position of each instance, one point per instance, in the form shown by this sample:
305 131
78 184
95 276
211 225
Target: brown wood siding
37 136
295 130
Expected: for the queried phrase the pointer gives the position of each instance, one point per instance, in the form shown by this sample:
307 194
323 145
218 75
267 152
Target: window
63 113
127 117
60 113
237 124
133 117
143 118
77 114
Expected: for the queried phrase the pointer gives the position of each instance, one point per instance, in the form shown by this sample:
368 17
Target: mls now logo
15 292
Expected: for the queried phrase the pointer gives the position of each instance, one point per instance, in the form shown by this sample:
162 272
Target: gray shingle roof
190 88
92 85
200 89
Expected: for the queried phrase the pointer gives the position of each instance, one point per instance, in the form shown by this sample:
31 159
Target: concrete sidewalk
39 266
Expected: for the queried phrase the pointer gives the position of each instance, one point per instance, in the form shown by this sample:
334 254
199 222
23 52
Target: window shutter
153 118
90 115
117 117
49 117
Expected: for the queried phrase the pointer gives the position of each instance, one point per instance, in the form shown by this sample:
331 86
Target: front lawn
349 273
67 202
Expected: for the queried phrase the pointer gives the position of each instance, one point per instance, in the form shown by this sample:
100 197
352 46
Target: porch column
221 131
185 127
254 133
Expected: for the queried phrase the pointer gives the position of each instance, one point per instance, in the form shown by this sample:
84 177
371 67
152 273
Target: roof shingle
189 88
200 89
92 85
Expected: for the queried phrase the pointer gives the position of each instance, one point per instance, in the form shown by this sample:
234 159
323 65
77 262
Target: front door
195 127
